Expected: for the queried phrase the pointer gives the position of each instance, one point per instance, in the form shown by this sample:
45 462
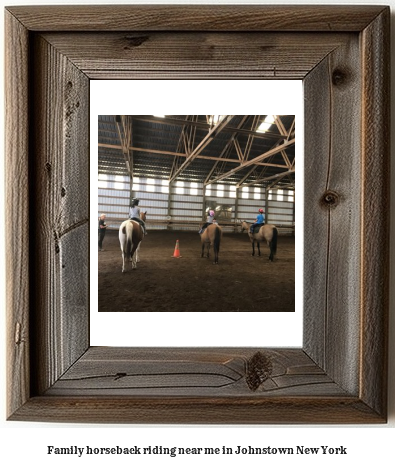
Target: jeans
101 238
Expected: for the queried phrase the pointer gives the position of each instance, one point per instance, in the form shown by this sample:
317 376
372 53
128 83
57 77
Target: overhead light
267 123
159 115
214 118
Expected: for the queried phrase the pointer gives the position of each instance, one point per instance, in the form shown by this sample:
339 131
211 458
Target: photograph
206 189
168 340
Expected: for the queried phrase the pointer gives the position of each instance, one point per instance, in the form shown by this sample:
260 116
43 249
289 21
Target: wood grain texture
17 228
334 170
339 376
376 200
61 209
316 226
192 372
196 18
200 55
198 410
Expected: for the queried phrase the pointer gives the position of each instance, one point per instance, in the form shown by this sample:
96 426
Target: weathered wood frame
340 374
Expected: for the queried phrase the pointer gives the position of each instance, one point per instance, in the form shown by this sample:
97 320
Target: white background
23 445
209 97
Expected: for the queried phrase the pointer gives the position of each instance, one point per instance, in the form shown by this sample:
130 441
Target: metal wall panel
186 211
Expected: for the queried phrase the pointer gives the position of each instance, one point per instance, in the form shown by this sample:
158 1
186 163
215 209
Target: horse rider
134 214
260 220
102 230
209 221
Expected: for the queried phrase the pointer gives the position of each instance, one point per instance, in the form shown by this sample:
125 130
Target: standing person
260 220
102 230
134 214
209 221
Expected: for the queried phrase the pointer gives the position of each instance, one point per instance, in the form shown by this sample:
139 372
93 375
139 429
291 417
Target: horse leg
271 256
123 261
137 254
134 260
253 248
136 257
133 257
215 255
202 249
259 248
216 243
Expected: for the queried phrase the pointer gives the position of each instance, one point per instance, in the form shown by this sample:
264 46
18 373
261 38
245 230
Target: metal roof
192 148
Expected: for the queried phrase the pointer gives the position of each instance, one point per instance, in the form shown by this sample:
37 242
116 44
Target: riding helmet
261 210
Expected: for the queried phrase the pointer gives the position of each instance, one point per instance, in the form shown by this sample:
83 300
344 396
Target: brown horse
131 234
212 235
267 232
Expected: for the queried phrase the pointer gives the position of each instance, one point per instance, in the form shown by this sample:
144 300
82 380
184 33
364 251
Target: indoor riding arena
179 168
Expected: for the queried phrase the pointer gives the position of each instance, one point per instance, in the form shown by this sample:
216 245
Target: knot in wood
259 369
339 77
135 41
330 199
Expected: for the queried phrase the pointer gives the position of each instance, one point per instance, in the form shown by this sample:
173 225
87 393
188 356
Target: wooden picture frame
340 374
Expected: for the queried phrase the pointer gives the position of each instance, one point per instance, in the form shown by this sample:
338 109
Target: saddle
207 224
138 220
257 228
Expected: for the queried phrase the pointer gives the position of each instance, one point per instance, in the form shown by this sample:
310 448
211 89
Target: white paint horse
131 234
267 232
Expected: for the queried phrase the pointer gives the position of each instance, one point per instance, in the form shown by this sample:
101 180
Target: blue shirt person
260 220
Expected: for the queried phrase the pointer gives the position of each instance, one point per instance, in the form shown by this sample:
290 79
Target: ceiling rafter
164 146
291 129
286 174
213 132
286 159
168 153
267 163
280 126
205 125
124 129
221 160
186 140
250 140
246 176
258 159
276 177
251 137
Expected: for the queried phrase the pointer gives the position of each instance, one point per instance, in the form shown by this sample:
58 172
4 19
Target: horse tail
217 239
128 242
274 241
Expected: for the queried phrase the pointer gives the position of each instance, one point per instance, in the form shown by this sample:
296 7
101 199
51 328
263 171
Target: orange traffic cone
176 253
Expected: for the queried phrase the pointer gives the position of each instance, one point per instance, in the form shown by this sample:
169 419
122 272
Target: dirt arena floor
161 283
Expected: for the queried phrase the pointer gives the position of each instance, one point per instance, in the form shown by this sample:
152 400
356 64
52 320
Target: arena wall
182 205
